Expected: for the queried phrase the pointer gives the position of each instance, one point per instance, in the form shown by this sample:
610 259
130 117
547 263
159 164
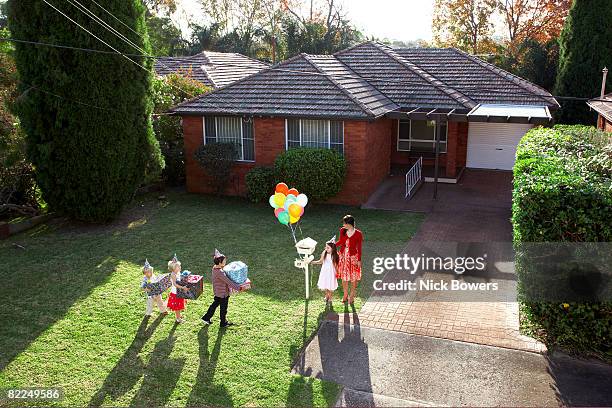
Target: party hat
332 240
174 258
217 254
147 265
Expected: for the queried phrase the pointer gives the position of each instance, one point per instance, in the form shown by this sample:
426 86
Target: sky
403 20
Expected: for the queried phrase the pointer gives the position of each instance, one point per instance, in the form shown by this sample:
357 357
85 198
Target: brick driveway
476 210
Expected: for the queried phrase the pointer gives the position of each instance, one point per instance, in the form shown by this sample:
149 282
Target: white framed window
420 136
327 134
231 129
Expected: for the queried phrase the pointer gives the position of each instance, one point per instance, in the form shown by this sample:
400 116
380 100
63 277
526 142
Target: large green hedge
563 192
318 173
87 116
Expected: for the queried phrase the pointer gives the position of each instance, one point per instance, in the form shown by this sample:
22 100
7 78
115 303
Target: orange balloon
295 210
294 192
282 188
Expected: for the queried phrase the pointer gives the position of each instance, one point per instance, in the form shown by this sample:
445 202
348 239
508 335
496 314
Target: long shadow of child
204 391
129 368
160 375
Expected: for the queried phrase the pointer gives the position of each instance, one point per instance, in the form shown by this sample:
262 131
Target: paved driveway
471 218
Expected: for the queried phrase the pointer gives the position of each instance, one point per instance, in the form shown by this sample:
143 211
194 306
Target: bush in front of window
260 183
318 173
217 160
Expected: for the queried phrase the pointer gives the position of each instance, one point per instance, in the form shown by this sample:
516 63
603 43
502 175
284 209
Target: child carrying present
147 271
176 303
221 289
327 277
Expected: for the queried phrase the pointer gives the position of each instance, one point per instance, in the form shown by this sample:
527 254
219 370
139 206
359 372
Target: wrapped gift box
237 272
159 284
246 285
195 283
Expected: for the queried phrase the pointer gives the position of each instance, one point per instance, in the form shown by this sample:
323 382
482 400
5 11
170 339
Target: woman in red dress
349 248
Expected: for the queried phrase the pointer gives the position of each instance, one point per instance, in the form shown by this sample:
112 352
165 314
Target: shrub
319 173
217 160
562 192
87 116
260 183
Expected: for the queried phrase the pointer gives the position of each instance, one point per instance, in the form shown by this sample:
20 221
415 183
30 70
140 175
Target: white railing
413 177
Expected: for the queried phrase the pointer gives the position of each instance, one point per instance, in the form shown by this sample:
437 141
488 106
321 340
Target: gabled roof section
296 87
370 99
214 69
401 81
603 106
482 82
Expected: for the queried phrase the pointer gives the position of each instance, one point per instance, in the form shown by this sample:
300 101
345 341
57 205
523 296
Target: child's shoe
181 320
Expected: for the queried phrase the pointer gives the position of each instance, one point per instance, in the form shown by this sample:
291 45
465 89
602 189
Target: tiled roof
367 81
215 69
603 107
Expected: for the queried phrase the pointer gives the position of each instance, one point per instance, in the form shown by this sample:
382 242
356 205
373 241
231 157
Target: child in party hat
221 289
147 271
176 303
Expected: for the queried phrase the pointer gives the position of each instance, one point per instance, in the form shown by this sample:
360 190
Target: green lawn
73 313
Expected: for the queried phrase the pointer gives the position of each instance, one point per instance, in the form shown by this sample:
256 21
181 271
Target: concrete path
387 368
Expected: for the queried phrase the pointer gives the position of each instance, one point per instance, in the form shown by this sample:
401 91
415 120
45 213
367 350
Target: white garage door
493 145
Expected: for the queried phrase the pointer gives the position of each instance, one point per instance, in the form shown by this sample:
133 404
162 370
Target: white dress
327 277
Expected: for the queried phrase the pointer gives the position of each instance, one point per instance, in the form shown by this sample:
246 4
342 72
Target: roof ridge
352 97
438 84
522 82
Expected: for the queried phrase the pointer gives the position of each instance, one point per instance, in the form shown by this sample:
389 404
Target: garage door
493 145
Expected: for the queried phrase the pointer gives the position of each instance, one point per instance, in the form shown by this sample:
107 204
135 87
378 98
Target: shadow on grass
38 298
160 375
301 389
129 368
204 391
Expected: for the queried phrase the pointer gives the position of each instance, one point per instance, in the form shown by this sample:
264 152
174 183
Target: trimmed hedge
318 173
260 183
217 160
563 192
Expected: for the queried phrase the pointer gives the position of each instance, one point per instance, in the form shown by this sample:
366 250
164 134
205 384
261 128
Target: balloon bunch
288 205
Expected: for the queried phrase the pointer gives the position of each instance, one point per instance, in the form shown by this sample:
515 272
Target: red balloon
278 211
294 192
282 188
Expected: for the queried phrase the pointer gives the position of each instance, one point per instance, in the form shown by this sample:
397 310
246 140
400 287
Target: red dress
350 255
174 302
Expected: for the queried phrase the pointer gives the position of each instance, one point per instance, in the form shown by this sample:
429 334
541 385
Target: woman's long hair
334 254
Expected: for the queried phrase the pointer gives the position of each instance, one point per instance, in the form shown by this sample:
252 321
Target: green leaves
217 160
260 183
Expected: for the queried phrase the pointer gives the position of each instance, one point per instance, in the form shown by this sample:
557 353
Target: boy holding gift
147 271
221 289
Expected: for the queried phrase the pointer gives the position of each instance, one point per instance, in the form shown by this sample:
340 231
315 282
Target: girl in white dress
329 261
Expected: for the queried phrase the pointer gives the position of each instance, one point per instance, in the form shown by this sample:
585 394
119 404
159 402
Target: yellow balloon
279 199
293 220
295 210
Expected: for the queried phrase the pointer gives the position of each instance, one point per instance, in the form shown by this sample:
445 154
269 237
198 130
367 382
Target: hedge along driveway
74 312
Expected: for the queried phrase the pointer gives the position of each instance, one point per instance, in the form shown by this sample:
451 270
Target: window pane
404 130
403 145
292 145
293 131
315 133
248 140
336 132
443 132
229 130
338 147
422 130
425 147
209 129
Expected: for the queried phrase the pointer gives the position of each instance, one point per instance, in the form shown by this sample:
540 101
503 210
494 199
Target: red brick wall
367 147
456 147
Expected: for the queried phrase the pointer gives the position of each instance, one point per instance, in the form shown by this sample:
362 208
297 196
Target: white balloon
302 200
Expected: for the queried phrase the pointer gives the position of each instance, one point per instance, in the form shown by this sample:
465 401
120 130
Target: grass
73 314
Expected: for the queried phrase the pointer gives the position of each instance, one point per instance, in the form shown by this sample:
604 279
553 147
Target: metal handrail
413 177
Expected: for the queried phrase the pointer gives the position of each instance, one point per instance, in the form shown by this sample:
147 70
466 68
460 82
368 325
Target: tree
165 37
540 20
87 117
465 24
585 49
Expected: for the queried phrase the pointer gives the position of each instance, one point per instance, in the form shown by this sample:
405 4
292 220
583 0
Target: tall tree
585 49
87 116
165 37
541 20
465 24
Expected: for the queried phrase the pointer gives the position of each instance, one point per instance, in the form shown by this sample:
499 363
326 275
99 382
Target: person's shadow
129 368
160 375
204 391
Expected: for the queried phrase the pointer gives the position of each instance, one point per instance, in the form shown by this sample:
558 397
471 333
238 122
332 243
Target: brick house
380 107
603 106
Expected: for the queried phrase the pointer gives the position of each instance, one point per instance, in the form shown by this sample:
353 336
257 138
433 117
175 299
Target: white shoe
180 320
